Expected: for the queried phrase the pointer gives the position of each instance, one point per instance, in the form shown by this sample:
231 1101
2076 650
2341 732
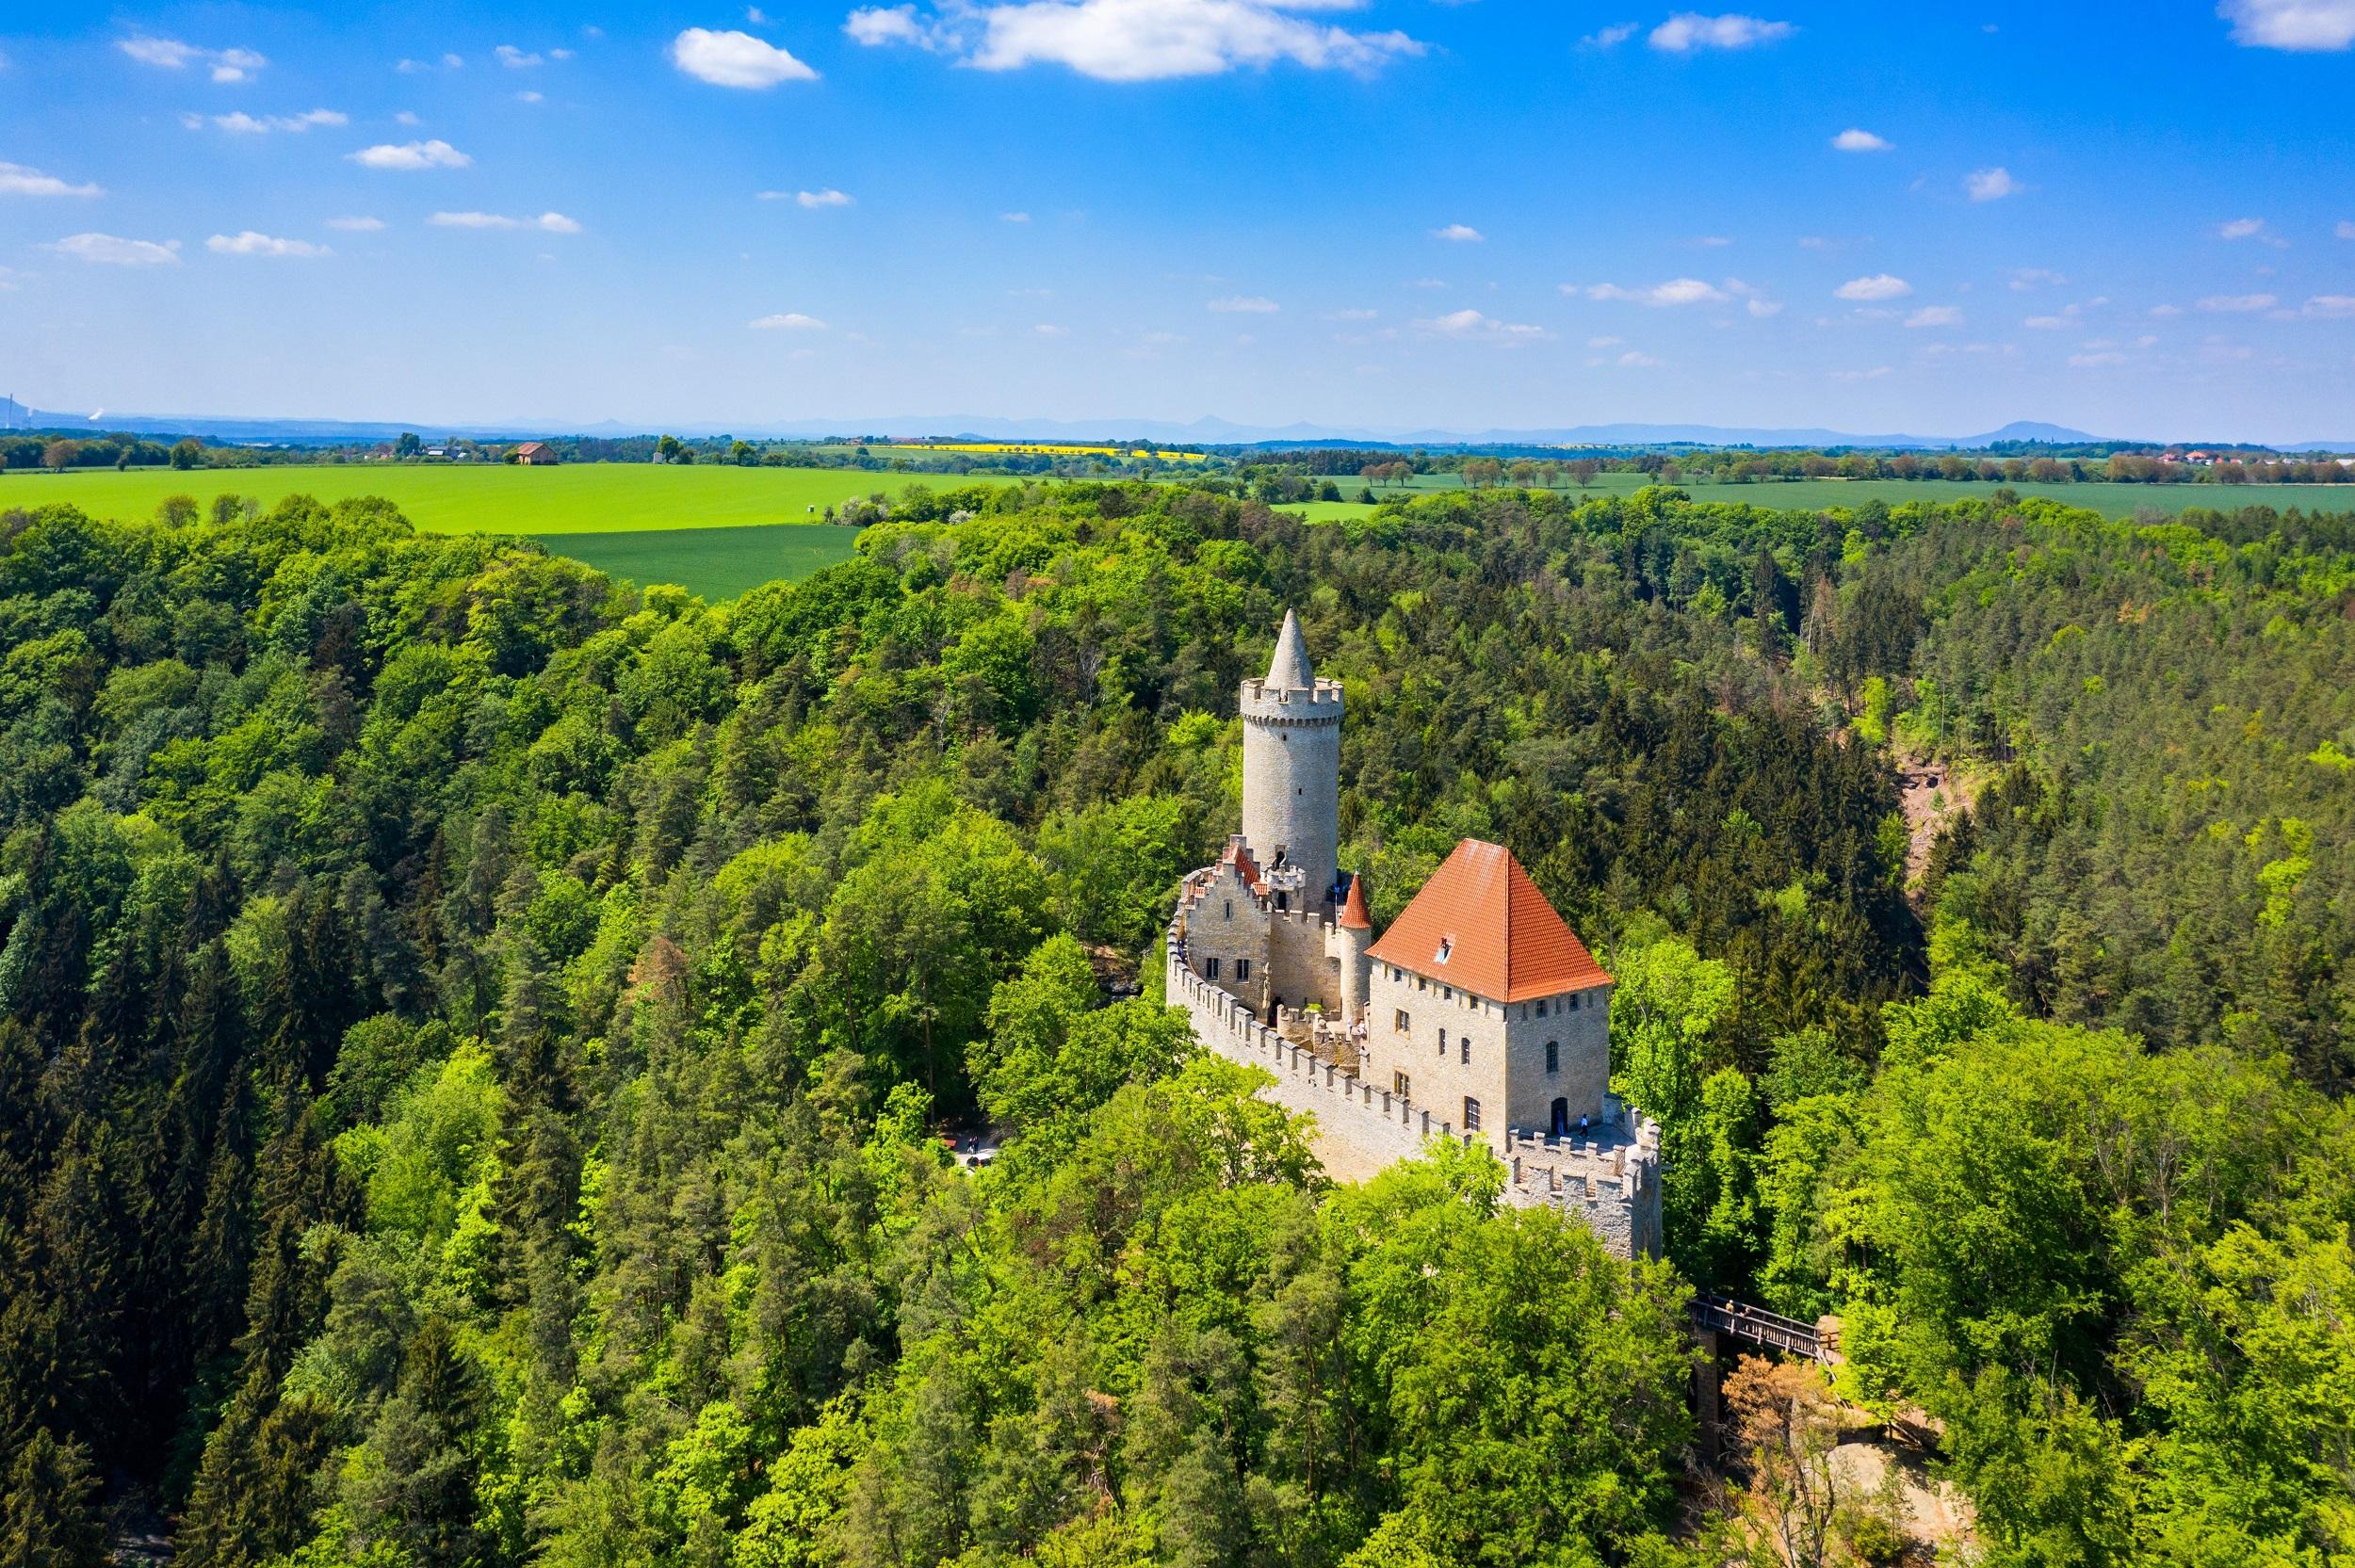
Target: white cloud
547 223
1880 285
2053 323
1135 41
356 225
1470 323
1855 140
1676 291
242 124
1936 315
1047 328
1244 305
226 65
2026 278
2166 310
411 155
1605 342
17 180
1712 242
107 250
1990 184
2332 305
2238 302
253 243
1352 315
2297 24
1688 31
876 26
2087 361
734 59
527 97
456 62
514 58
1014 218
1762 307
2242 228
1636 359
405 118
1610 37
1460 233
1874 374
826 198
787 321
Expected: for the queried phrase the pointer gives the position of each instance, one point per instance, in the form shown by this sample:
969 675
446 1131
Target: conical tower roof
1354 916
1289 671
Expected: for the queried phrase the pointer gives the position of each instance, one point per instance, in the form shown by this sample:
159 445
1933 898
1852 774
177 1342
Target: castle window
1210 969
1443 1044
1243 969
1573 1004
1283 900
1541 1009
1471 1114
1554 1055
1401 1086
1230 909
1398 1021
1463 1045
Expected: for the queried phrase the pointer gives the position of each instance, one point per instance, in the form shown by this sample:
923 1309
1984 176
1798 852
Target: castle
1478 1016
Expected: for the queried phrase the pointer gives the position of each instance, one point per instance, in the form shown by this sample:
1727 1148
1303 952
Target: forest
476 1037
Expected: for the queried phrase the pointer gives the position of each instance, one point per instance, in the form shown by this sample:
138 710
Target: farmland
582 498
712 563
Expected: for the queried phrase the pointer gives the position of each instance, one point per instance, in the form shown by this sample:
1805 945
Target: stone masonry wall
1610 1181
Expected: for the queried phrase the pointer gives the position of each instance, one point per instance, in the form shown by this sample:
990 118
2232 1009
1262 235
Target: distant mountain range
1209 432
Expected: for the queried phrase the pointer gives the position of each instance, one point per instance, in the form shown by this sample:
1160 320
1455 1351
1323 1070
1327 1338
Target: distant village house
535 454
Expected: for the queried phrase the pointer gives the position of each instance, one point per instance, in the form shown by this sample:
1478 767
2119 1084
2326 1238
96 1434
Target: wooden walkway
1756 1325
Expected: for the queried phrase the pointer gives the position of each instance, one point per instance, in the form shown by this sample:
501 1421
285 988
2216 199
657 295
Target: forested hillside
476 1036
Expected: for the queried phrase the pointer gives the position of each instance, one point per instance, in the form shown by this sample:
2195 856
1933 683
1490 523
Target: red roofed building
1482 1001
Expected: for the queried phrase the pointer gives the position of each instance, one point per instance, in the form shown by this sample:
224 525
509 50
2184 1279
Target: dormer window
1447 945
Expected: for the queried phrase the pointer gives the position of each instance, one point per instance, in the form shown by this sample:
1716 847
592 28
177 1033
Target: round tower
1292 769
1352 931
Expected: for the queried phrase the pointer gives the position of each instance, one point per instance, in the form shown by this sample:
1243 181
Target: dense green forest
476 1036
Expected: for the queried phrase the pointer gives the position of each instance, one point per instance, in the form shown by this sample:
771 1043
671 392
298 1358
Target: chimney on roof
1289 671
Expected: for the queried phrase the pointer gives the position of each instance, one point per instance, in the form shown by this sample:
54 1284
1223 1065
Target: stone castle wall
1291 779
1610 1180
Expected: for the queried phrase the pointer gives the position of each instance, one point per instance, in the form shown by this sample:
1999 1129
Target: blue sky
1400 213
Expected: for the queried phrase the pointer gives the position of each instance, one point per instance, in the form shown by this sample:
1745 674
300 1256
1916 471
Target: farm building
535 453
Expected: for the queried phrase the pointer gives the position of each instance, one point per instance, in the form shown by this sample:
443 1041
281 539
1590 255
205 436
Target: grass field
576 498
716 563
1811 495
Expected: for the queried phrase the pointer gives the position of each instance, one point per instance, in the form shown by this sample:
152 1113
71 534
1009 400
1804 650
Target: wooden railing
1769 1330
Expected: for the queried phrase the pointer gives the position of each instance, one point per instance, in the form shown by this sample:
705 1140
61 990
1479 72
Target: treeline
477 1041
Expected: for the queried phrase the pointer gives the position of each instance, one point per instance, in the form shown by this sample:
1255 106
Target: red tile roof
1354 916
1500 937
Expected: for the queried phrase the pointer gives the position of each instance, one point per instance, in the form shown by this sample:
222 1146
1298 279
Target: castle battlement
1609 1179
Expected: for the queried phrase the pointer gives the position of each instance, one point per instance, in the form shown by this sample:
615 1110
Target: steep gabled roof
1480 925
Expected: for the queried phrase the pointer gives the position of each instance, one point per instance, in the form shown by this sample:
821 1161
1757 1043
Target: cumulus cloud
242 124
2295 25
547 223
107 250
787 321
17 180
1880 285
1936 315
1238 304
1472 324
514 58
254 243
1676 291
1855 140
1461 233
2232 304
1688 31
1990 184
826 198
356 225
1135 41
409 154
734 59
2025 279
1610 37
1635 358
2332 305
225 65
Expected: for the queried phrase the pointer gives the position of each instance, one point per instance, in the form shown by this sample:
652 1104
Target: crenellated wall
1610 1180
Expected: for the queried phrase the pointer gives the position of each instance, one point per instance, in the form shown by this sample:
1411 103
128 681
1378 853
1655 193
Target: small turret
1290 669
1353 934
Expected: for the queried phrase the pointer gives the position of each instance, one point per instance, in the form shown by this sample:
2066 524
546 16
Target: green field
714 564
1813 494
576 499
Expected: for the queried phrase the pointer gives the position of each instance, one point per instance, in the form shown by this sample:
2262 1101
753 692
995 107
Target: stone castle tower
1479 1016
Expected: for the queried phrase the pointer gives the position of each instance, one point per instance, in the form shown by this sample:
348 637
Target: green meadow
712 563
574 499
